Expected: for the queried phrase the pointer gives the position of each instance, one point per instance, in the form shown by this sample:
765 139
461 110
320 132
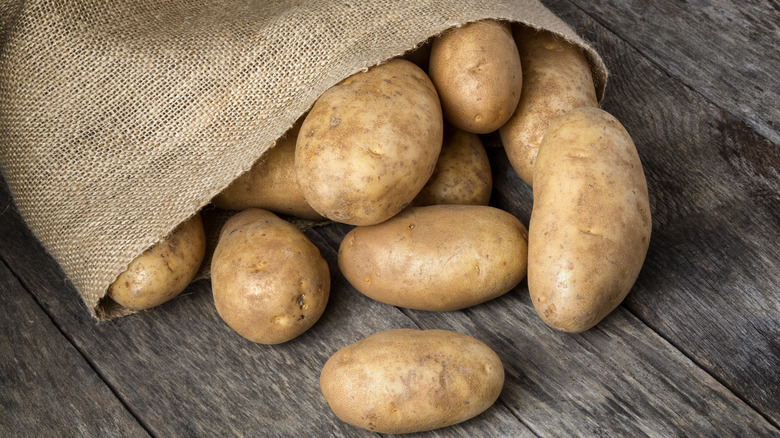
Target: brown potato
164 270
556 79
439 258
370 144
270 184
269 282
477 72
590 225
403 381
462 174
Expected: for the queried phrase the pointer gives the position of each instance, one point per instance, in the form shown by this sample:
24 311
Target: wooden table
694 350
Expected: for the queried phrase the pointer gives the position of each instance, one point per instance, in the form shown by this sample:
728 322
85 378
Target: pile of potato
395 151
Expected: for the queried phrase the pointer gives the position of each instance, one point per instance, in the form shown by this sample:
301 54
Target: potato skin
163 271
462 174
269 282
438 258
270 183
590 225
370 143
404 380
556 79
477 71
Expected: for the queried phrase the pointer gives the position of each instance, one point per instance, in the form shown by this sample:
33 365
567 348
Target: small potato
269 282
164 270
270 184
370 144
590 224
438 258
403 381
462 174
477 72
556 79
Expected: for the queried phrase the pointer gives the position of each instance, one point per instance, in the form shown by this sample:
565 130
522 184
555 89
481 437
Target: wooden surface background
693 351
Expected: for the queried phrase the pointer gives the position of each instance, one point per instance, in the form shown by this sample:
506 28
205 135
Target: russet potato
269 282
438 258
404 380
590 225
163 271
370 143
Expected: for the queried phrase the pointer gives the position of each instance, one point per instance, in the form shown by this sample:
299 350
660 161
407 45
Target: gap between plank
80 352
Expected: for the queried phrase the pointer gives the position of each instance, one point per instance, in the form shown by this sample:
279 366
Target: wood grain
723 49
46 386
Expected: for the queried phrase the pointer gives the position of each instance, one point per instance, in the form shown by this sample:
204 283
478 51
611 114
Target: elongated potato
590 224
556 79
477 71
269 282
402 381
439 258
370 143
164 270
270 183
462 174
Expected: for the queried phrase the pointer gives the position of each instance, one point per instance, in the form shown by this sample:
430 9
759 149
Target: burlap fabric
119 119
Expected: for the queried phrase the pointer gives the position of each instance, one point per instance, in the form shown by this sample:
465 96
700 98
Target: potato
590 225
556 79
270 184
477 72
163 271
370 143
439 258
462 174
269 282
403 380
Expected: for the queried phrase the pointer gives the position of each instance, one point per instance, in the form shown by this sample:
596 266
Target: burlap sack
119 119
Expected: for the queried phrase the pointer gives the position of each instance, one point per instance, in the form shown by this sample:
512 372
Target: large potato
477 72
590 224
439 258
164 270
370 144
269 282
556 79
462 174
270 183
402 381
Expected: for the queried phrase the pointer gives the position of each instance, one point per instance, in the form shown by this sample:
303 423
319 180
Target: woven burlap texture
119 119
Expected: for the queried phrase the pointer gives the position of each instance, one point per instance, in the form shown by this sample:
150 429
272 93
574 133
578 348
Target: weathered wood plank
711 281
185 373
45 384
725 49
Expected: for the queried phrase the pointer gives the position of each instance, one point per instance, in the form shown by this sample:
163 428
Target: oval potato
370 143
270 183
269 282
477 71
590 225
556 79
163 271
404 380
462 174
438 258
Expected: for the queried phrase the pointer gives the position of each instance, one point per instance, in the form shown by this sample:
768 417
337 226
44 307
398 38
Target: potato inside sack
556 79
163 271
370 143
437 258
404 381
590 225
270 183
477 72
462 174
269 282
